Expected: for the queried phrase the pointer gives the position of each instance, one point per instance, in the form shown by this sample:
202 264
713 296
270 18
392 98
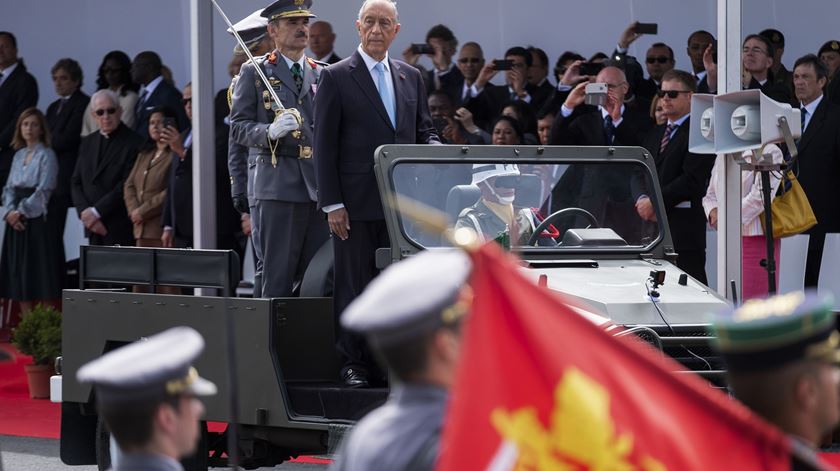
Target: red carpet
20 415
40 418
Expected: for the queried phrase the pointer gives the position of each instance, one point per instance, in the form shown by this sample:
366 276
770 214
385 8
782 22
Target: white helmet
481 172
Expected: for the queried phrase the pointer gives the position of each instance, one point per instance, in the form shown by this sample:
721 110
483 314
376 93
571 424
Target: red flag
541 387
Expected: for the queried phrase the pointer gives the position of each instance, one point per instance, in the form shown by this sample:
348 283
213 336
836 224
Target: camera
503 64
422 48
596 94
590 68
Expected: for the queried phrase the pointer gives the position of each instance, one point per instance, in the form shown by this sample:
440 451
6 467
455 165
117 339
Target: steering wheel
532 241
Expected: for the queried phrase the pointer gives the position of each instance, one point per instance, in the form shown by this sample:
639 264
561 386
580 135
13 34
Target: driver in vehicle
494 215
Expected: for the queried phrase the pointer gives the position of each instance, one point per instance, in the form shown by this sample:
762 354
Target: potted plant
39 336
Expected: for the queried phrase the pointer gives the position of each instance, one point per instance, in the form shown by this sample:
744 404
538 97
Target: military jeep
574 224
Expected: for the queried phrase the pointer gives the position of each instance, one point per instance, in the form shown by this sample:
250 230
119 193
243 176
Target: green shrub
39 334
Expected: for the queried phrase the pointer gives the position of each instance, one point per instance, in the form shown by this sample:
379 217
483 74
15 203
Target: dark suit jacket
18 92
177 210
332 59
227 218
540 94
100 184
777 91
683 176
585 127
451 83
488 105
164 94
832 88
65 130
351 122
819 166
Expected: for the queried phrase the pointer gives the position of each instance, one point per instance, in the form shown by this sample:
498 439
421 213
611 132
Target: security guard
147 394
411 315
782 358
254 33
290 229
494 214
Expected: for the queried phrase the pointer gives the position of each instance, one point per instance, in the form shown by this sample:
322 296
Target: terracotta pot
38 377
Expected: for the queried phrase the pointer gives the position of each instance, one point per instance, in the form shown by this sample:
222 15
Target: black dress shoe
355 379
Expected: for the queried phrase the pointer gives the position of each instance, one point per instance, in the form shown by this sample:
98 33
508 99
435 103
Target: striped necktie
666 138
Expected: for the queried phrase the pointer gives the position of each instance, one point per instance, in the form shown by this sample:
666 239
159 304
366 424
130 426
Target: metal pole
729 211
203 143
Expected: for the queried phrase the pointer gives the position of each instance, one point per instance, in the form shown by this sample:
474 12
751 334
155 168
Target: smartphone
596 94
169 122
646 28
714 51
503 64
590 68
422 48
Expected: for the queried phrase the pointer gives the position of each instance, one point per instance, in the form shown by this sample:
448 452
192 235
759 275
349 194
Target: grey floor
39 454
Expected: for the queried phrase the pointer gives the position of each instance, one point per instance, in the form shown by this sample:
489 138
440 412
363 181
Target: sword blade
250 56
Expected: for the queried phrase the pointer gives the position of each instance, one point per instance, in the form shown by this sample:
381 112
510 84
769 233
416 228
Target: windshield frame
388 157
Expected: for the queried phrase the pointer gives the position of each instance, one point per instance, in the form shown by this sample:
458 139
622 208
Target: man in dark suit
177 217
683 176
539 86
363 101
444 76
155 91
470 63
658 60
322 42
604 191
757 55
819 156
698 42
105 160
18 91
64 117
290 227
491 99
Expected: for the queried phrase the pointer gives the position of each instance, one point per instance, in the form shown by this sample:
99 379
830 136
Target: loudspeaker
701 136
748 119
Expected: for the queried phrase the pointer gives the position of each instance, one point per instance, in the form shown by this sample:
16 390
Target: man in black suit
322 42
584 186
64 118
363 101
683 176
698 43
105 160
757 54
819 156
539 86
18 91
155 91
470 63
444 76
177 217
491 99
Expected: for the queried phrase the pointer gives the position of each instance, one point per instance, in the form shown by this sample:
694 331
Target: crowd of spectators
122 158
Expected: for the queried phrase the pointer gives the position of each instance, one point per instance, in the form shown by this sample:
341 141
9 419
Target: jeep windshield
535 205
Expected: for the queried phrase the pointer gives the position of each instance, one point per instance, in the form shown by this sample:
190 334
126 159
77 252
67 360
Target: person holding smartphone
30 264
145 188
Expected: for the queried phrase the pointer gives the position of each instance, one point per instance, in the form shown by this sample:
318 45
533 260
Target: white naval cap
411 298
149 369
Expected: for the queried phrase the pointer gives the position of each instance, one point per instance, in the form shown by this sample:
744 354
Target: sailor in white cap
147 393
411 315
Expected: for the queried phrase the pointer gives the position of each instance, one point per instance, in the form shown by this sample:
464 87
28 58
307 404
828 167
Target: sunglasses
469 60
102 111
186 101
660 59
670 93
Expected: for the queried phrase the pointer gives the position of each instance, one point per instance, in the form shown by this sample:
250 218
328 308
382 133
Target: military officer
782 358
147 394
253 31
418 339
290 229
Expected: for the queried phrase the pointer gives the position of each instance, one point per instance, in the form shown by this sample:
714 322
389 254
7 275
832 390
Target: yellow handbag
791 212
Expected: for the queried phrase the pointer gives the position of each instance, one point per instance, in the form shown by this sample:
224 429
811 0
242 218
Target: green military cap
767 333
831 46
288 9
775 36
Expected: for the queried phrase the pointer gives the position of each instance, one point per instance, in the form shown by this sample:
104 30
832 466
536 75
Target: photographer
491 99
440 46
450 127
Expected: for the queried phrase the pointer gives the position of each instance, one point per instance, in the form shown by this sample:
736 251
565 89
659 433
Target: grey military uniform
403 434
147 462
284 214
488 225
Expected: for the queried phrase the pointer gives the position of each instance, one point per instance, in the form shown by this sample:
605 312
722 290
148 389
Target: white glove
282 125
